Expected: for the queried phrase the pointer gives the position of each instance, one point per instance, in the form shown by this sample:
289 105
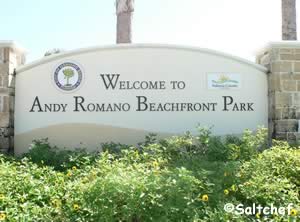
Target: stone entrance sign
120 93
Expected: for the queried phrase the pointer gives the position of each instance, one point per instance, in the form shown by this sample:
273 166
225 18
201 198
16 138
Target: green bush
41 153
182 178
144 191
231 147
115 148
27 191
273 177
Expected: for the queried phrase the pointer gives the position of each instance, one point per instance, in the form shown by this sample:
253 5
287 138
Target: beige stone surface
4 143
298 86
283 99
297 135
284 126
4 69
296 99
292 57
280 136
278 114
274 82
291 137
296 76
9 60
287 51
5 81
297 66
288 76
5 104
288 113
6 132
265 60
284 76
274 54
280 66
287 57
289 85
284 90
4 119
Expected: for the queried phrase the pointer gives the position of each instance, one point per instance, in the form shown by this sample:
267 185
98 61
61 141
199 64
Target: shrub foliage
182 178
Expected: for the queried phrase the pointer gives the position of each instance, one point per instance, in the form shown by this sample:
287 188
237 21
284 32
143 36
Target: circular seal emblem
68 76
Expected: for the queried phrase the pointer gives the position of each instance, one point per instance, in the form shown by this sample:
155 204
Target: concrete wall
281 59
136 62
10 57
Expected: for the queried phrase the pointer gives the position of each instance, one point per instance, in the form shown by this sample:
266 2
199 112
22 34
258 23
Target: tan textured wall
10 58
283 62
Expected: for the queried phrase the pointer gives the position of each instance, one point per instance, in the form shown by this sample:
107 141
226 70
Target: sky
237 27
